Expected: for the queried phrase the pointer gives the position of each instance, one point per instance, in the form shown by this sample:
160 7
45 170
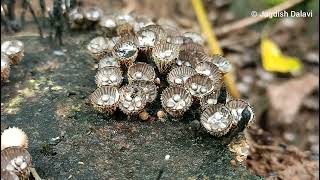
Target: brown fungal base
16 58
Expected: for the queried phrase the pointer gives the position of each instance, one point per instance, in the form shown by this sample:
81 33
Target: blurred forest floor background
286 104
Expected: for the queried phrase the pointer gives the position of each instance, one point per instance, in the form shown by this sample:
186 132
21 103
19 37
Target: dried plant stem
213 42
35 174
35 17
255 19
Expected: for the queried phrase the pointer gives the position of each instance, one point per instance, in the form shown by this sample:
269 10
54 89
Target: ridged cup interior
76 15
125 50
236 106
108 61
178 76
189 58
221 62
209 100
199 85
124 19
141 22
109 76
132 99
166 52
210 70
107 22
141 71
106 96
158 30
14 158
149 89
216 120
177 40
176 100
147 38
93 14
98 45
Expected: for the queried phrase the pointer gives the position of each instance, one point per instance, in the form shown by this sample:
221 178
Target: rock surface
46 97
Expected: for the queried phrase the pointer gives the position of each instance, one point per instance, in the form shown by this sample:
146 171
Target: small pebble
161 114
176 97
203 90
194 86
144 115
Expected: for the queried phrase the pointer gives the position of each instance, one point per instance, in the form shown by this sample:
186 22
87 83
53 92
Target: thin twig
255 19
35 18
23 13
35 174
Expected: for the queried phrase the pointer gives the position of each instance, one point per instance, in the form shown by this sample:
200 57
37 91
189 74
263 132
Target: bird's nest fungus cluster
139 60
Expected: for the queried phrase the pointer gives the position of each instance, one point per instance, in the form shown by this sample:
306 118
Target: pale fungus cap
176 100
141 72
217 120
105 99
212 99
93 14
14 137
188 61
158 30
147 38
109 76
210 70
189 58
125 51
14 49
177 40
99 47
200 85
107 22
195 37
164 56
132 99
209 100
108 61
149 89
76 16
124 19
141 22
16 160
236 107
179 75
221 62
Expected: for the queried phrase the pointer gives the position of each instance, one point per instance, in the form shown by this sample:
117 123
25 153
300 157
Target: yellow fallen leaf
273 60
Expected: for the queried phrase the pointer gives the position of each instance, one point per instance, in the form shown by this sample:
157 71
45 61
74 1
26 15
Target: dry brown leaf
286 99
